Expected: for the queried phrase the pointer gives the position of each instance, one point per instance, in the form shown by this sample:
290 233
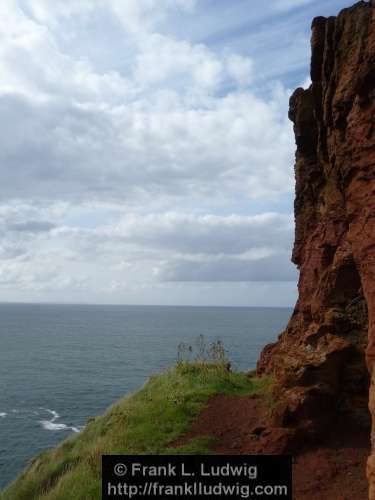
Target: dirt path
332 470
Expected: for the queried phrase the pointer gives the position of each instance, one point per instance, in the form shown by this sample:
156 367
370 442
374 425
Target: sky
145 152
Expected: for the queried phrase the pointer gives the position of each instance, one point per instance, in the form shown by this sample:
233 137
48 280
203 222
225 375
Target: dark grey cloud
275 268
8 252
208 234
31 226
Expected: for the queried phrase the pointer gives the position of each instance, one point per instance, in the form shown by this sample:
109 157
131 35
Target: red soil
334 469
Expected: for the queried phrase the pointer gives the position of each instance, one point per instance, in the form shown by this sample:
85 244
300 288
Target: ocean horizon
102 304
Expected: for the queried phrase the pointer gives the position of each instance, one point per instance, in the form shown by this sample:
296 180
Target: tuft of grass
200 445
146 422
265 386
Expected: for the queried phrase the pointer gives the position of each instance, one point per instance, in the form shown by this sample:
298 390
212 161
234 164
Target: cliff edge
322 363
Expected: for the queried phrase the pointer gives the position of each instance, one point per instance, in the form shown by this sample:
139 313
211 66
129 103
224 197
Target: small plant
201 356
184 352
217 352
214 353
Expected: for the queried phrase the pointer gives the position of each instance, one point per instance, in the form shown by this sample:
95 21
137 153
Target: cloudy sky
145 151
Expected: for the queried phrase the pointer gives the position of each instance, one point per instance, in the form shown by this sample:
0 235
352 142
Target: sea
61 364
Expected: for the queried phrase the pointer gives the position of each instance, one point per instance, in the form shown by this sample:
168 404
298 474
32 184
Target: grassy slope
143 423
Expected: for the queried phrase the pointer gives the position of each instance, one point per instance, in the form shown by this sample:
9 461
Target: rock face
323 361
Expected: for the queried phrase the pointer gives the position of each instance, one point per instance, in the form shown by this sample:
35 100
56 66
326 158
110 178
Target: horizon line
139 305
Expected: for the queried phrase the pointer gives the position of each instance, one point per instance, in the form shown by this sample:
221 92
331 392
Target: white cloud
139 16
237 144
241 69
161 128
175 59
167 122
49 13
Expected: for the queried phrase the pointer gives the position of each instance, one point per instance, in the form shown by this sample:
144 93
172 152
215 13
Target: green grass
146 422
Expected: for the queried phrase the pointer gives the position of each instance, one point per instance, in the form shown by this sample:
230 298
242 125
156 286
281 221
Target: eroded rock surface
321 363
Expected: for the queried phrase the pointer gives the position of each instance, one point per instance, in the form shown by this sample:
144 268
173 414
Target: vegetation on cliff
147 422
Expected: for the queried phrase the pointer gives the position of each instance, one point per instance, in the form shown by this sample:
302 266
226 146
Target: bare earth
332 470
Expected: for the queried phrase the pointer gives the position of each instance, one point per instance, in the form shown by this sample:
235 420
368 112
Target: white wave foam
2 414
24 412
54 413
50 425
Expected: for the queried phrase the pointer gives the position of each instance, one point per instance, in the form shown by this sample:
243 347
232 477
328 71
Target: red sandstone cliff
319 362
